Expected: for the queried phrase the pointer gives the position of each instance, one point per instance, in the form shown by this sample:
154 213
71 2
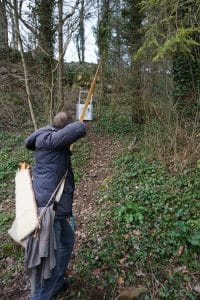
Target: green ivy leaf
194 239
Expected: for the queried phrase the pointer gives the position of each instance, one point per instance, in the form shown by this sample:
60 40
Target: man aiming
51 146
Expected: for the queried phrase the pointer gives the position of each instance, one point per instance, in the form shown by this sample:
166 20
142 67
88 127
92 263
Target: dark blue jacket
52 159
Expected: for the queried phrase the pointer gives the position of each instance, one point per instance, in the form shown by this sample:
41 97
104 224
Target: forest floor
137 223
103 149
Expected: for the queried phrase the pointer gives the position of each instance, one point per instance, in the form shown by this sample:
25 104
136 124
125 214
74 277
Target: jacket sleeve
30 145
31 139
67 136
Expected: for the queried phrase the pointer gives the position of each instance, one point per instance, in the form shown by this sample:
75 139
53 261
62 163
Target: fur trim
26 218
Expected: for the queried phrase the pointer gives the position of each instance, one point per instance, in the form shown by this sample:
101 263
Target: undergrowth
80 157
164 135
12 152
115 122
147 231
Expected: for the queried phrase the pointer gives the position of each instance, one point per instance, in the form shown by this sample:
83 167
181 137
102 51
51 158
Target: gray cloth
40 246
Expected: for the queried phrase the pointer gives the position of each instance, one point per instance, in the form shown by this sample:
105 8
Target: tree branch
28 26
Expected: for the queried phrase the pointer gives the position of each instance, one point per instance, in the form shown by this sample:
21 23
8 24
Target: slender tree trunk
15 15
133 37
60 51
118 38
45 37
35 24
14 42
4 47
32 18
80 37
65 46
78 47
3 25
82 32
104 33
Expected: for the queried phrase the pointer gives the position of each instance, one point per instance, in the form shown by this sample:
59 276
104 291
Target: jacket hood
31 139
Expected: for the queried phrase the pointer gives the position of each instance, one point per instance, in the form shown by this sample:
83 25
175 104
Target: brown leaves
180 250
120 281
97 272
135 232
182 269
122 261
139 273
132 293
197 289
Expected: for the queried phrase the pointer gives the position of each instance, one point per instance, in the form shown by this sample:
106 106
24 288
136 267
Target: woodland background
149 53
147 97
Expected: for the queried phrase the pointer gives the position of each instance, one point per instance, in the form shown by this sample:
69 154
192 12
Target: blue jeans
65 242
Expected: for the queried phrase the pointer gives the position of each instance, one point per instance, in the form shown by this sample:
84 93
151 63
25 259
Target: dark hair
62 119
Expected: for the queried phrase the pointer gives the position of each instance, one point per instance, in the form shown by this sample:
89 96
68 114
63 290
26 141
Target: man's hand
87 125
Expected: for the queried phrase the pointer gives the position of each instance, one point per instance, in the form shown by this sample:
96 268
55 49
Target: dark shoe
64 288
66 285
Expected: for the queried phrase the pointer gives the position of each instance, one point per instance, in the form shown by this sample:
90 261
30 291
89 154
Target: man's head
62 119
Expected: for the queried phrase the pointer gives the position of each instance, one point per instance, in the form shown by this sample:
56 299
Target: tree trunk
80 37
4 48
133 23
104 33
60 50
44 10
82 33
14 42
15 15
3 25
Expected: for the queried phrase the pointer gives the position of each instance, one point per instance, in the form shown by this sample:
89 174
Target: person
51 146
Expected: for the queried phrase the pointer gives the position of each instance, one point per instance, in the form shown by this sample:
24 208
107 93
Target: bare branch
19 17
72 11
69 15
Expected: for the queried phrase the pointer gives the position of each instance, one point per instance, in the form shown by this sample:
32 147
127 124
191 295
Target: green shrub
148 220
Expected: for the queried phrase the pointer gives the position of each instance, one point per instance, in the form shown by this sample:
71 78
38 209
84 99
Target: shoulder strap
58 191
56 194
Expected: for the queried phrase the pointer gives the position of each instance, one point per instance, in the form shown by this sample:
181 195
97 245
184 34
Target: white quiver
26 216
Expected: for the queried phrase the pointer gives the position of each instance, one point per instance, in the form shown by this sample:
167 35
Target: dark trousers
65 242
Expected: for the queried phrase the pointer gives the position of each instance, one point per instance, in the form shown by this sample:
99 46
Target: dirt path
99 167
96 171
